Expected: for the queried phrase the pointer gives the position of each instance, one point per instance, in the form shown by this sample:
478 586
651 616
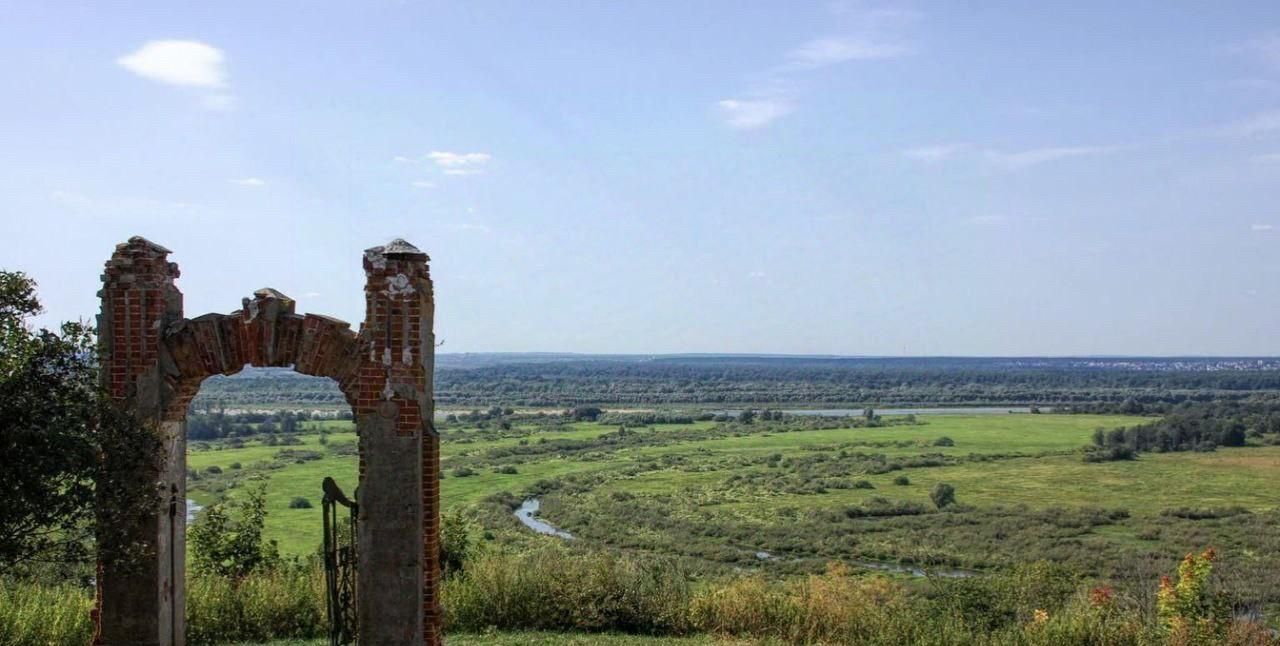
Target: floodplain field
788 497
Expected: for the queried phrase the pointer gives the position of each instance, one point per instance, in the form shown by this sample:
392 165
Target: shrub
1188 613
1204 513
235 466
299 502
463 472
506 469
902 481
942 495
1110 454
214 469
232 548
554 588
461 536
944 441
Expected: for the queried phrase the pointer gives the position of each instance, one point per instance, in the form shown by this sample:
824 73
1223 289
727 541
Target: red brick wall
390 360
399 306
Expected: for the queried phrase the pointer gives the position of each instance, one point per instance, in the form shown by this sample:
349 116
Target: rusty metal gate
340 564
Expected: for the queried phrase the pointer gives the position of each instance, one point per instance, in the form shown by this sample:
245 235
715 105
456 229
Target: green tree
461 536
943 495
64 445
231 547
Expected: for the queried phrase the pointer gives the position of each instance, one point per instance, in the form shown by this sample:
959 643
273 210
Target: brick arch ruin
153 361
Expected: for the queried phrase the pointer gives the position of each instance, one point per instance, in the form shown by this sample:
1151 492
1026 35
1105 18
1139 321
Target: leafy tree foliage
233 547
1190 427
64 445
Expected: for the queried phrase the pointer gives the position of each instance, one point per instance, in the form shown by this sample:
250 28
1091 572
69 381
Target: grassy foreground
535 638
556 595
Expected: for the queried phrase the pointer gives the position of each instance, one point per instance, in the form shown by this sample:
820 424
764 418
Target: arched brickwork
153 361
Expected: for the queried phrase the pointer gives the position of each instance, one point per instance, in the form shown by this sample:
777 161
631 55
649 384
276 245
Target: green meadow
993 460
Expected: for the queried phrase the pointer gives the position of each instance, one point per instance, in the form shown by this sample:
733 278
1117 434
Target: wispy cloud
185 63
1262 227
451 163
821 52
869 35
1036 156
458 160
1259 124
1254 84
1003 159
120 206
1266 158
749 114
934 154
423 184
1264 49
252 182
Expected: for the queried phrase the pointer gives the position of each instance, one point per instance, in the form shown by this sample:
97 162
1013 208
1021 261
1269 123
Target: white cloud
448 163
870 34
424 184
933 154
821 52
1267 158
1037 156
1265 49
473 227
749 114
756 275
249 181
1258 124
311 294
1262 227
458 160
178 62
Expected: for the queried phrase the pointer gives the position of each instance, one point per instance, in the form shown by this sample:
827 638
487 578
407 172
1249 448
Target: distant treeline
1192 427
213 425
568 383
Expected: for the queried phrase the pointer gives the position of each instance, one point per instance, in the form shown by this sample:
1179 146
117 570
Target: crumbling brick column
153 361
399 493
143 605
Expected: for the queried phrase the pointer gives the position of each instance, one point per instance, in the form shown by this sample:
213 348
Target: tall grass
287 602
558 588
553 588
284 603
33 614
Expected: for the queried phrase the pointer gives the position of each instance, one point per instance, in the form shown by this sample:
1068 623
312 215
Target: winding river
528 510
527 513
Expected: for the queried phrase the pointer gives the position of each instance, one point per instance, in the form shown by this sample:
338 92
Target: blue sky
963 178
